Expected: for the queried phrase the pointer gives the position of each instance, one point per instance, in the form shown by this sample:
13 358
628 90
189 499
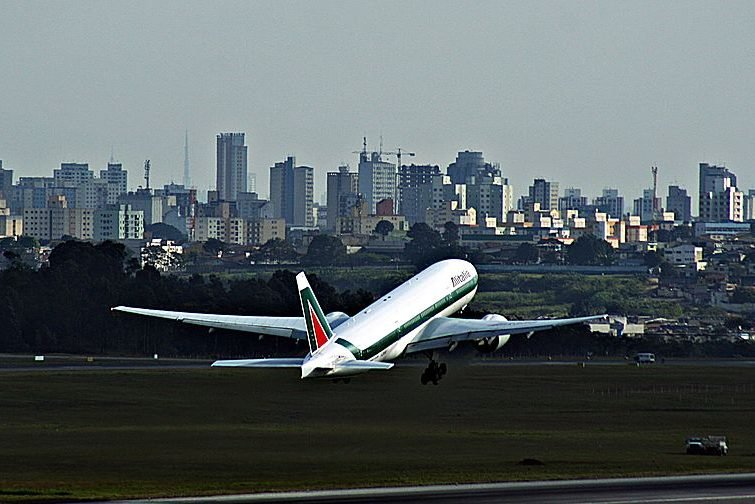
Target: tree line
65 307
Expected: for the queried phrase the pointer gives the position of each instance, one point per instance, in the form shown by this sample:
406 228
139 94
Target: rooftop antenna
146 172
112 154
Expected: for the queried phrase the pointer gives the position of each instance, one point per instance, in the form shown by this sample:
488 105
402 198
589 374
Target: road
737 488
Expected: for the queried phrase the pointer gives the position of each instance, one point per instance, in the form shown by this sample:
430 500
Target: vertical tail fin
318 328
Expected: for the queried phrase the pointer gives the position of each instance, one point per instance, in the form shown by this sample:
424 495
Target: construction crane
362 153
398 153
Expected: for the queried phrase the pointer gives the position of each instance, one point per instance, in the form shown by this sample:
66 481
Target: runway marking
710 498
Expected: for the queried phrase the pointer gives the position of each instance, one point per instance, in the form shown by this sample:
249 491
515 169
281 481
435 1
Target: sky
589 94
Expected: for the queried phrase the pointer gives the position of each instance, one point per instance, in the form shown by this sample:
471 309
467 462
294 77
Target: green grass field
114 434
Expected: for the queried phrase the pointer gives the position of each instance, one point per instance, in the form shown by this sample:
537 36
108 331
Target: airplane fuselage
382 331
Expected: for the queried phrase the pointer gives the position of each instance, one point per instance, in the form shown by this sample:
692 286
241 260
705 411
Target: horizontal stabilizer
260 363
363 365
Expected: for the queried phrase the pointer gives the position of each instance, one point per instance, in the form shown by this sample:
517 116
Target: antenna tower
146 172
187 175
654 171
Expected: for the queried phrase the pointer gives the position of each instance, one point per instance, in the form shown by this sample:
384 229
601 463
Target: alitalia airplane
412 318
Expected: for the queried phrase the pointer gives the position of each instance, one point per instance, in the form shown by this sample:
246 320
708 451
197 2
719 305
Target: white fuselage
382 331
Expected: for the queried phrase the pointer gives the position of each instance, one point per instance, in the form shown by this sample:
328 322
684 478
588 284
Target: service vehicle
708 445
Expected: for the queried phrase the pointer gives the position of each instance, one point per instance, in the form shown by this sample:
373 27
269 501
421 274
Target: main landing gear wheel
434 372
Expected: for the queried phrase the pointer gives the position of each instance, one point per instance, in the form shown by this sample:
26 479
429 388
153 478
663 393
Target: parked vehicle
644 358
709 445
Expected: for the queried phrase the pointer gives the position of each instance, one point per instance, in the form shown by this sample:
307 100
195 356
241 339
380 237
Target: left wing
287 327
444 331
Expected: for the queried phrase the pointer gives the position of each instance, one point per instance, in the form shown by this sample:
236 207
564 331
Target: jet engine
492 343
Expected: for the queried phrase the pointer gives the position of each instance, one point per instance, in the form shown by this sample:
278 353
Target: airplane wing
287 327
444 331
260 363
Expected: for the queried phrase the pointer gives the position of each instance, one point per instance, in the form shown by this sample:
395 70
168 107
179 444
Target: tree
213 246
423 245
589 250
277 251
27 242
384 227
653 258
527 253
428 246
450 233
325 250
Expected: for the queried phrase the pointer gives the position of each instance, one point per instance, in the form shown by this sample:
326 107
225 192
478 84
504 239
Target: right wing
286 327
441 332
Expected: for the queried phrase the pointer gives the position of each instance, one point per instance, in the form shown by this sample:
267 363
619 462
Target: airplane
412 318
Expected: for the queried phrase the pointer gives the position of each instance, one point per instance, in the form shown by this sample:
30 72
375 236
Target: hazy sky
590 94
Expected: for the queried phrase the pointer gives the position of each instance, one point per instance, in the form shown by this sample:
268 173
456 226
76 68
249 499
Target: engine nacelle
492 343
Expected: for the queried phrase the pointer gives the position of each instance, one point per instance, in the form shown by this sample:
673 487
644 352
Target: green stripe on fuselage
411 324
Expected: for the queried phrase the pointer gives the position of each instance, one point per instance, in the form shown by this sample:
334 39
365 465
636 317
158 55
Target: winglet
318 328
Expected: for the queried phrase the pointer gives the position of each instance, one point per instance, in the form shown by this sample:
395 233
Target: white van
644 358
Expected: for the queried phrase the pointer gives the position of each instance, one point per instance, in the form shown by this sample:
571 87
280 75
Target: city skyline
588 94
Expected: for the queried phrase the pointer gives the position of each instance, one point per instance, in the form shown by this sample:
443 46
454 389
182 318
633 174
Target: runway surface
74 363
738 488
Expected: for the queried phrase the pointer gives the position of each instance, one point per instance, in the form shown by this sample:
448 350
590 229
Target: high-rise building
72 173
647 206
6 182
679 202
715 178
719 199
304 195
491 196
342 191
610 202
151 205
282 189
231 163
118 222
470 164
117 181
31 192
57 220
377 179
414 188
748 206
292 192
572 200
543 192
253 182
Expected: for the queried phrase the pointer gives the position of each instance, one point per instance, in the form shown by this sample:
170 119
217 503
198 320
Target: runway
730 488
74 363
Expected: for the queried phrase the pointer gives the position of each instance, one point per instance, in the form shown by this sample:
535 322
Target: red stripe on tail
321 336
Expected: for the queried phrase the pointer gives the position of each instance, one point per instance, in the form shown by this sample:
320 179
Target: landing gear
434 372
